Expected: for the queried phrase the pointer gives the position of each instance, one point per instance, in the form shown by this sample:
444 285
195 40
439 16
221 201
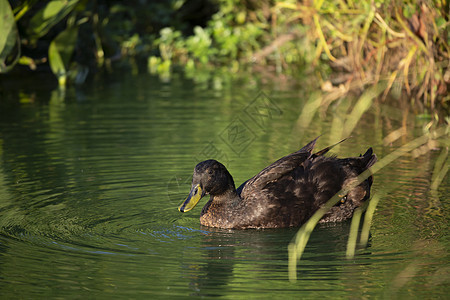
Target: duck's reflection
232 256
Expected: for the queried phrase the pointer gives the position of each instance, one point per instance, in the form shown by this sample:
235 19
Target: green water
90 181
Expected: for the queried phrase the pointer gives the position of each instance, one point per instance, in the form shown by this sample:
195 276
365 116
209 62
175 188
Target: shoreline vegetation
343 47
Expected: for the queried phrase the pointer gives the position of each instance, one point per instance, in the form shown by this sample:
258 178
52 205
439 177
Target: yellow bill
192 199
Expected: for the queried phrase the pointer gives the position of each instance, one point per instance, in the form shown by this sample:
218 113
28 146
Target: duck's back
293 197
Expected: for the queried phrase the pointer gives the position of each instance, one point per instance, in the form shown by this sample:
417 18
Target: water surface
90 181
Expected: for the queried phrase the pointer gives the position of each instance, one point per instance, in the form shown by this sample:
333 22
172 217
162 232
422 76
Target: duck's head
210 178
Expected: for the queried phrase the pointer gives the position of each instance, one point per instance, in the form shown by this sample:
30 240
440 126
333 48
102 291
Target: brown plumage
284 194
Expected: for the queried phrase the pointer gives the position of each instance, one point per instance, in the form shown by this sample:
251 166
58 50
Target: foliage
352 44
348 45
61 48
9 40
77 37
224 41
60 52
50 15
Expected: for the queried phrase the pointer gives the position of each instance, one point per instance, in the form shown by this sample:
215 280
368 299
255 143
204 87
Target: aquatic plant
434 137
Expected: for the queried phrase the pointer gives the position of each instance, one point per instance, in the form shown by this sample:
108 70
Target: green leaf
60 53
49 16
9 38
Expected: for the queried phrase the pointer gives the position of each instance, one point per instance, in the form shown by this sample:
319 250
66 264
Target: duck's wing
281 167
276 170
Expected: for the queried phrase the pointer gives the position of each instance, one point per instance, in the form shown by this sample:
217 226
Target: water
90 181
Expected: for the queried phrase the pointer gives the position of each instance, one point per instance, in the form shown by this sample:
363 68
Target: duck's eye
343 199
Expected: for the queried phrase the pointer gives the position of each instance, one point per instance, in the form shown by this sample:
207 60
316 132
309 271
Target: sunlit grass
400 42
298 244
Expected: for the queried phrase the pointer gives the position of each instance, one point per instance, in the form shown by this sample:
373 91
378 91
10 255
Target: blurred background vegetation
337 47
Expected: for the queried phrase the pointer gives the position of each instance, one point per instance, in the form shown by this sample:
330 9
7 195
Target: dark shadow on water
259 255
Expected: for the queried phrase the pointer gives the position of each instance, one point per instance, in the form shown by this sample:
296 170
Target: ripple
89 193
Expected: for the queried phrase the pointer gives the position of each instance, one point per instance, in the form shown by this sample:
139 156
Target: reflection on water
90 182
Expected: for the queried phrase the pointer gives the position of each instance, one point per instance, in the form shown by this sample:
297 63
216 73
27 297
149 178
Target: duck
284 194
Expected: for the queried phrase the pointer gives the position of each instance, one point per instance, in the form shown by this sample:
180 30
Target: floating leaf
60 53
9 38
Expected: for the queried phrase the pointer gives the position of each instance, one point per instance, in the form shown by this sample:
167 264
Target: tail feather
325 150
369 159
309 147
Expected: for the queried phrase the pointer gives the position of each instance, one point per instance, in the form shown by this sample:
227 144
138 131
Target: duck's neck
221 202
